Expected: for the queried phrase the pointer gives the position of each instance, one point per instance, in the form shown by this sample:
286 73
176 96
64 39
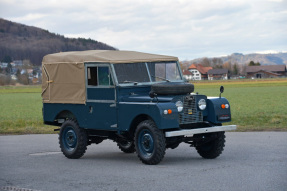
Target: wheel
172 88
214 148
73 140
126 146
149 142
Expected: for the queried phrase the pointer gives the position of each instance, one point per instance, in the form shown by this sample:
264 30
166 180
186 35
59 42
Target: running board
191 132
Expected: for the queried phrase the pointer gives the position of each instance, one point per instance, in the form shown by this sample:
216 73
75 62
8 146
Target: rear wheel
126 146
149 142
213 148
72 139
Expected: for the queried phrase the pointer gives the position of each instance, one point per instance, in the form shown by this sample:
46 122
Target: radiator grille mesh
190 113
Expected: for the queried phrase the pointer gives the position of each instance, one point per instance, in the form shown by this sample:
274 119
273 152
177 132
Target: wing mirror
221 90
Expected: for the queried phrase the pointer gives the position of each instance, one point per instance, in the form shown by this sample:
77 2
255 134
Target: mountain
26 42
263 59
279 58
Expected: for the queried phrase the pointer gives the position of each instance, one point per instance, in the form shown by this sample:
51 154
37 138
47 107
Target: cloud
183 28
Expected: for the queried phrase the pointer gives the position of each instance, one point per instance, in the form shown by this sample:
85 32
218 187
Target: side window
99 76
92 76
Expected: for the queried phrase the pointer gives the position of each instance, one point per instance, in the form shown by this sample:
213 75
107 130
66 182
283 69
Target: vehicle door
101 97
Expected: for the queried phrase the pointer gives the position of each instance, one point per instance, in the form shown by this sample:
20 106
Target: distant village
200 72
22 72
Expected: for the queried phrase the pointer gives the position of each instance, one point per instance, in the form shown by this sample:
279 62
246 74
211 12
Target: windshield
147 72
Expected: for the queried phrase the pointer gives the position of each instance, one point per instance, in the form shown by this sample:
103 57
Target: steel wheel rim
69 139
146 143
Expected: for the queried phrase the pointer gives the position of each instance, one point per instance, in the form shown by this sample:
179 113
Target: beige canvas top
110 56
64 73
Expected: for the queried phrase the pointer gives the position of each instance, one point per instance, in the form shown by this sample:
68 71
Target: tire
172 88
127 146
214 148
73 140
150 143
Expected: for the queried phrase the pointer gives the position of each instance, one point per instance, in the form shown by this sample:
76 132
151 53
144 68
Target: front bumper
191 132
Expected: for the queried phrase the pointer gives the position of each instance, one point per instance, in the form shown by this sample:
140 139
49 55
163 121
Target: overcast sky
187 29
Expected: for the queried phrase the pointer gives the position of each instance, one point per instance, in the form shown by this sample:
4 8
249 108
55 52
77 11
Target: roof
268 68
192 66
270 73
200 68
186 72
204 70
217 71
110 56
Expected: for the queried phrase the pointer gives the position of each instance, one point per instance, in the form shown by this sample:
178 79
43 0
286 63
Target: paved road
251 161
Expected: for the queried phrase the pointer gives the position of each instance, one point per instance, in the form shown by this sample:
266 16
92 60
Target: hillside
26 42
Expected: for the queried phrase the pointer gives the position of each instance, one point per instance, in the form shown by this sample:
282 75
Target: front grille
190 113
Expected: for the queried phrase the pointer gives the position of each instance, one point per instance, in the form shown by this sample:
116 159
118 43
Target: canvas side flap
66 83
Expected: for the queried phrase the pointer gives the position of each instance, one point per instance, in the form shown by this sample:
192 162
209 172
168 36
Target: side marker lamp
224 106
167 111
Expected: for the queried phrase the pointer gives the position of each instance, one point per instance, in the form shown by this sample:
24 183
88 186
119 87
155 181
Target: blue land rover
138 100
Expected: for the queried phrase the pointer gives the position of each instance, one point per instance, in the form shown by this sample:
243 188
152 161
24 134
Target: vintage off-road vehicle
138 100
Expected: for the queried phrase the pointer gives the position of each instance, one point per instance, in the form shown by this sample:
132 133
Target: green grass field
21 110
255 105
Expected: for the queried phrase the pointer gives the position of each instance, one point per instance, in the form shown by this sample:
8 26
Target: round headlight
179 106
202 104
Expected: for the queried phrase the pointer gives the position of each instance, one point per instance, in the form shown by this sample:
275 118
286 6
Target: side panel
51 110
128 111
102 116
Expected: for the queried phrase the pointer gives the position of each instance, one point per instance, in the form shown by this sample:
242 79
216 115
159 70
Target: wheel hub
70 139
147 142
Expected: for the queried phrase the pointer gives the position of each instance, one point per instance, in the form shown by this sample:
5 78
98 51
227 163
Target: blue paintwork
51 111
127 112
100 93
214 110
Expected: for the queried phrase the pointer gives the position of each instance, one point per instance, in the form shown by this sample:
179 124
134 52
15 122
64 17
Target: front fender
128 111
216 114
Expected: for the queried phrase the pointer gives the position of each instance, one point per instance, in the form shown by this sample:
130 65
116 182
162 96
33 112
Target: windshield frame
149 74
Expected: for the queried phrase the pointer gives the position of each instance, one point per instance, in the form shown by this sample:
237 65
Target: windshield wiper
161 78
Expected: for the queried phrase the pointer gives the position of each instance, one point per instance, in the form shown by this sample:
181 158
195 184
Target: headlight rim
202 104
179 105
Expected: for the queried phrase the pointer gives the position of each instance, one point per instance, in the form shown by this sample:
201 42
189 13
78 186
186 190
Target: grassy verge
21 110
256 105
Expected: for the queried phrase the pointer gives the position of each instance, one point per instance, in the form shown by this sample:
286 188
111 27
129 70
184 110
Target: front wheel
150 143
213 148
73 140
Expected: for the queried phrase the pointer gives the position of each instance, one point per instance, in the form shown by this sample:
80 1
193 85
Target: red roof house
199 72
